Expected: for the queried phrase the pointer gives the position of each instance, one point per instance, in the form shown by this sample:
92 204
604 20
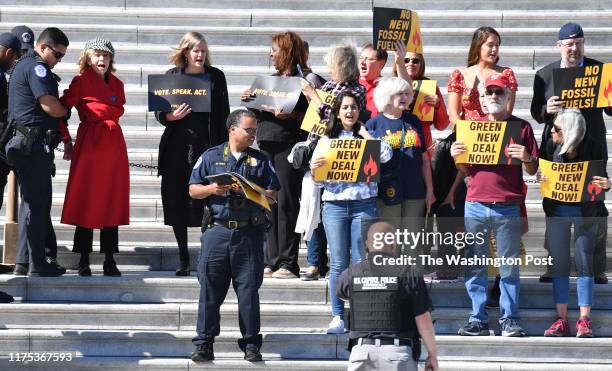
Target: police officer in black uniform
232 243
389 310
34 110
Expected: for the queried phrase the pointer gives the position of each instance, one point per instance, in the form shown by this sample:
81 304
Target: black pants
83 240
282 243
237 256
35 228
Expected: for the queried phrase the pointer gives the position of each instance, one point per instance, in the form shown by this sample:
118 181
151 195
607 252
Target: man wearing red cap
545 105
493 200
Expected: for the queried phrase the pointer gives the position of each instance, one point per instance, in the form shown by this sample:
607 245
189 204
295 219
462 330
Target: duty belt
384 341
237 224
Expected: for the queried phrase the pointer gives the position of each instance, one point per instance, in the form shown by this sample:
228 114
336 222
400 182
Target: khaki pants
381 358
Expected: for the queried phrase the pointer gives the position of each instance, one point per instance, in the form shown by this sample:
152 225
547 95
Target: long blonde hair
573 126
86 56
188 41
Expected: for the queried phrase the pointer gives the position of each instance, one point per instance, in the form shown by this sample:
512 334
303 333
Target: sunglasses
250 131
412 60
56 54
497 92
556 129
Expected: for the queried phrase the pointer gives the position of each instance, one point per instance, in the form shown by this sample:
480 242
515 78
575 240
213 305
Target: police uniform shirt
252 164
31 79
415 299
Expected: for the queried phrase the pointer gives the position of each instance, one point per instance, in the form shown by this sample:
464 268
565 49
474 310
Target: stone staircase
145 320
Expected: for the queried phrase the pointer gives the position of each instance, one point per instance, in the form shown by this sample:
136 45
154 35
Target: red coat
98 190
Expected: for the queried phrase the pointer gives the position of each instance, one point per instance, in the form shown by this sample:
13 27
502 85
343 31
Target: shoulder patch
40 70
198 163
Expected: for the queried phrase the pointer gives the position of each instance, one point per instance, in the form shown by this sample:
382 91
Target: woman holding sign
463 101
568 144
346 204
186 136
414 64
98 190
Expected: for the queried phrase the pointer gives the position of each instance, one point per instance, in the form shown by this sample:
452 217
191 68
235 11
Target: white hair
388 87
573 126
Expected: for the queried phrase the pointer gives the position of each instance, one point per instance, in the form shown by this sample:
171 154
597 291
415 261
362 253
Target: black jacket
543 89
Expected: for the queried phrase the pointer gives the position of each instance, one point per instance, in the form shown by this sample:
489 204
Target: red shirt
370 86
501 183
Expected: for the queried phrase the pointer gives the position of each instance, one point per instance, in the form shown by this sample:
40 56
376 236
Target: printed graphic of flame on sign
593 190
370 168
416 38
507 150
424 108
608 93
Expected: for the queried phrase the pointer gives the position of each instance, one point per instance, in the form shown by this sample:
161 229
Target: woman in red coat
98 190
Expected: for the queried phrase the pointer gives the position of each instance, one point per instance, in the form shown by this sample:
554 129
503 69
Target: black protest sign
584 87
391 25
273 93
167 92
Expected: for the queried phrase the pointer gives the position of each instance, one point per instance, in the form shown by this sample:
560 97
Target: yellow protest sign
391 24
487 142
348 160
584 87
419 108
251 190
571 182
312 122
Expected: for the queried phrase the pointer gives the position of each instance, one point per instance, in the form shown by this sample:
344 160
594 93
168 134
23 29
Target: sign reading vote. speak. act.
584 87
487 142
348 160
391 25
571 182
274 93
312 122
167 92
419 107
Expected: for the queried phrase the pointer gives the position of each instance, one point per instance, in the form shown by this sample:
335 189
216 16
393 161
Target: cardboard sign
348 160
274 93
584 87
487 142
251 190
167 92
312 122
418 107
390 25
572 182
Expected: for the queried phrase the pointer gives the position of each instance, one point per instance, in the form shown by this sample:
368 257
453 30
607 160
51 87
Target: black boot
110 267
184 270
84 269
204 352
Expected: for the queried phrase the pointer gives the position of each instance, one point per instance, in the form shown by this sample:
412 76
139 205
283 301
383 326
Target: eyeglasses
412 60
556 129
369 60
56 54
250 131
498 92
571 44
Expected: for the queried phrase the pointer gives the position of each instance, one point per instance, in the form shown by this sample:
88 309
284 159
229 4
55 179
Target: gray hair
573 126
235 117
387 87
345 61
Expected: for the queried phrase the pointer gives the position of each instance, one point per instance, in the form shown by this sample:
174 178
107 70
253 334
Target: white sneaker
336 326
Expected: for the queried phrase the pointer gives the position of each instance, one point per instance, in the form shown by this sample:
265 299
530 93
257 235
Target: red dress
98 190
469 96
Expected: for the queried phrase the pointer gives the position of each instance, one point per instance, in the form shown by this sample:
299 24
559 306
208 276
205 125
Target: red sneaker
560 328
583 328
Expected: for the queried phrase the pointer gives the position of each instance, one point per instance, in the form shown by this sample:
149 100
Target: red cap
498 80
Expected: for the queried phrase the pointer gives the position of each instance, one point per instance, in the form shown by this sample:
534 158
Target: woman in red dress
98 190
463 100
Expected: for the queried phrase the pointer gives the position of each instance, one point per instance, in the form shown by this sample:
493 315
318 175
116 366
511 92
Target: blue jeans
343 227
505 221
317 249
558 234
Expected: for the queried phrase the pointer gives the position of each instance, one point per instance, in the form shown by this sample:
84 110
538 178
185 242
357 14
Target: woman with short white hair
405 189
569 143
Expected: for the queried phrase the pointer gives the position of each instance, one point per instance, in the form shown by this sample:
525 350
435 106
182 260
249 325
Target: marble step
305 346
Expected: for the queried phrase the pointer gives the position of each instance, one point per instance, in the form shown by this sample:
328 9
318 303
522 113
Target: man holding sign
546 104
495 193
